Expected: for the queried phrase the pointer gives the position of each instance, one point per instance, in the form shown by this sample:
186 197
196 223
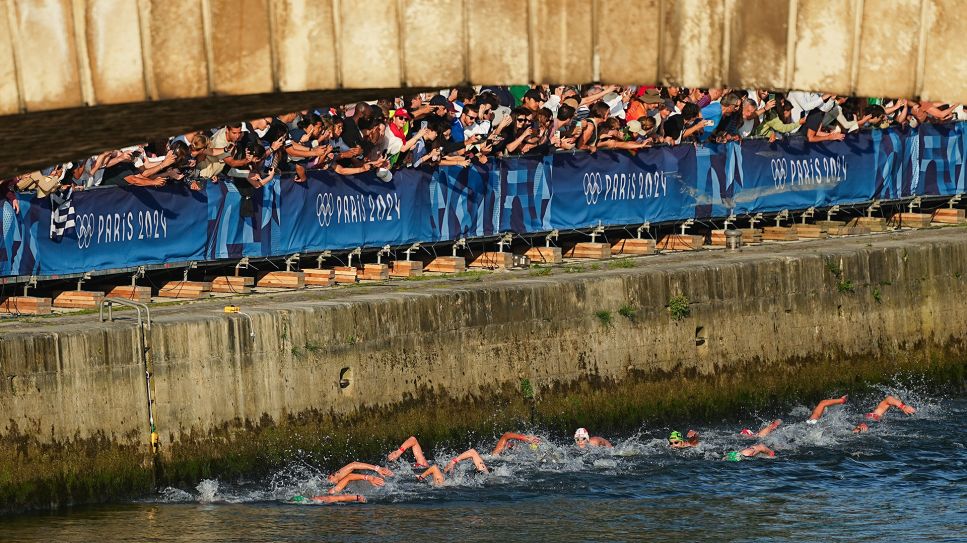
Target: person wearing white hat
583 439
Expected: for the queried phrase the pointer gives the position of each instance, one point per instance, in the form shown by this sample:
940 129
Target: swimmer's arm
341 485
468 455
343 498
435 472
360 466
508 436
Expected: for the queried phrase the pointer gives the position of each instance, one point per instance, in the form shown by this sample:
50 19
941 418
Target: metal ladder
144 339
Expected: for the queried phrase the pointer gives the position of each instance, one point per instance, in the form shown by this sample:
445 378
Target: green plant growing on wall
877 297
678 307
834 269
621 263
604 317
526 389
312 347
845 286
628 312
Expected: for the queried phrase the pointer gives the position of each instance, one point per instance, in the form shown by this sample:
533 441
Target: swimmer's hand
534 440
375 481
385 472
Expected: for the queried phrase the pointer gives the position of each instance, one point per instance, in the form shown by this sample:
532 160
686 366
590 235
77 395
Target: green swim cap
298 499
733 457
675 436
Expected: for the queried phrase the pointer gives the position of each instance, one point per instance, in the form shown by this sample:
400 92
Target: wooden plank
406 268
545 255
78 299
811 231
911 220
848 231
282 279
128 292
949 216
751 235
633 246
875 224
374 272
447 264
493 260
779 233
826 225
345 274
232 284
589 250
185 289
319 277
25 305
681 242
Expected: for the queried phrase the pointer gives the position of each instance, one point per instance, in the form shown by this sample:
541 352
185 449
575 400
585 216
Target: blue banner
332 212
117 228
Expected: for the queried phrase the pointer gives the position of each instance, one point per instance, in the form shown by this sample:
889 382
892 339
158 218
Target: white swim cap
581 433
812 421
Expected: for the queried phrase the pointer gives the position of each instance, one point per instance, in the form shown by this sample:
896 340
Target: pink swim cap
746 432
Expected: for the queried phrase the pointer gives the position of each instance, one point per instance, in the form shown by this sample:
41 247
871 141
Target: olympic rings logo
592 187
324 209
84 227
778 167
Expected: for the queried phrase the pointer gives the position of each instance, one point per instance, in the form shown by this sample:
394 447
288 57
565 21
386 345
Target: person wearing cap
821 408
749 452
583 439
766 430
532 100
877 414
677 441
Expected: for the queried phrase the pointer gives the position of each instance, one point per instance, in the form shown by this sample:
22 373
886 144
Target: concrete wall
774 310
75 53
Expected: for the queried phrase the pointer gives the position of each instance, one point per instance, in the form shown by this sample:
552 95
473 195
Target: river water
905 480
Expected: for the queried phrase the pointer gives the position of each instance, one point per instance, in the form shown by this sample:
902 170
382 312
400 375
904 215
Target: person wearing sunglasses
583 440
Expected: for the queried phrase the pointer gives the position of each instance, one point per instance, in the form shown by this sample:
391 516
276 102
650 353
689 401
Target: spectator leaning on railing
460 126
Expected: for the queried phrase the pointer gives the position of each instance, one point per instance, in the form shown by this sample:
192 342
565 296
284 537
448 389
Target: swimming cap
675 436
298 499
747 432
582 433
873 416
533 446
733 457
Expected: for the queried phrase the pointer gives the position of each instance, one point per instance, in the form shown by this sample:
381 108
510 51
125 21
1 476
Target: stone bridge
79 76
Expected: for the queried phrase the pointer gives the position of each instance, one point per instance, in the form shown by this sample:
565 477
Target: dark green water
906 480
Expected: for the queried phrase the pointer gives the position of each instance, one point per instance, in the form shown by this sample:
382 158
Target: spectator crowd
461 126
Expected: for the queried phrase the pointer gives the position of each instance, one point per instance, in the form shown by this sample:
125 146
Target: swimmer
357 466
821 408
371 479
434 471
676 441
582 439
343 498
750 452
763 432
508 440
881 409
410 443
